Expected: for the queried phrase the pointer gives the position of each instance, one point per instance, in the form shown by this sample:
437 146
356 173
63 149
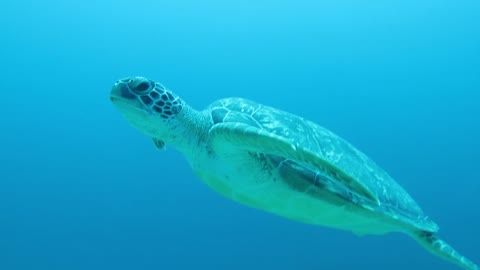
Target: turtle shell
393 200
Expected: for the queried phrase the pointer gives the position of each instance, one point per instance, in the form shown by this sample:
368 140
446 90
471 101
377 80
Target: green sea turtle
273 160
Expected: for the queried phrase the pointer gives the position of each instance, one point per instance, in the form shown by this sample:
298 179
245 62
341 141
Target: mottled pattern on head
152 95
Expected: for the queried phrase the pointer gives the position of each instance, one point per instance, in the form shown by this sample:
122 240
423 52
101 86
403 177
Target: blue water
81 189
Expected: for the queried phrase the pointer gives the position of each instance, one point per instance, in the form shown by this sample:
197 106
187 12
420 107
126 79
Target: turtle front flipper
159 144
225 136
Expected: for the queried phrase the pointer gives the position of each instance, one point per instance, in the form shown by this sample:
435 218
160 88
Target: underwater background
81 189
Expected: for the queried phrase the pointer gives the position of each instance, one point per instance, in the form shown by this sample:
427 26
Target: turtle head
147 105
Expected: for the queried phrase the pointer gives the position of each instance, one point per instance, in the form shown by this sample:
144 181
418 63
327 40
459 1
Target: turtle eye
140 85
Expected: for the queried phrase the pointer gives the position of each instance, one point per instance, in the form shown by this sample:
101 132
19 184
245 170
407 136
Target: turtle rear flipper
440 248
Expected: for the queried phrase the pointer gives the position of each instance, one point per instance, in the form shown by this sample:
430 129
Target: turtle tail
443 250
